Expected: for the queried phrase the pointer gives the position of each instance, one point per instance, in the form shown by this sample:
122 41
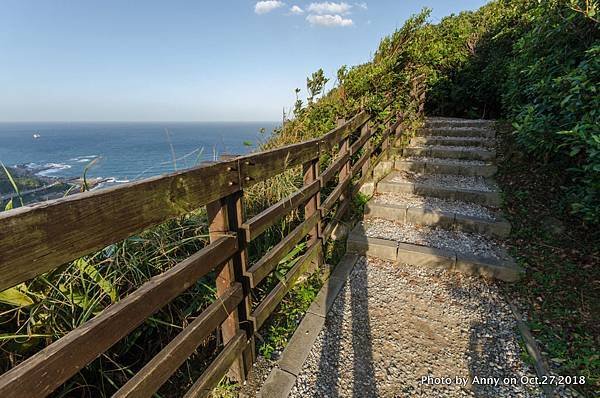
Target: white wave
84 158
51 168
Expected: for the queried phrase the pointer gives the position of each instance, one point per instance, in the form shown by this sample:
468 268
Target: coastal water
124 151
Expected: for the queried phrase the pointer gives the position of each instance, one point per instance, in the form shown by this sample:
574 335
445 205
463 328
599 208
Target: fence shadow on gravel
337 344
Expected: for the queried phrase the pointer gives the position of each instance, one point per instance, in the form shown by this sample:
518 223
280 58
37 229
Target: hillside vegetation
532 63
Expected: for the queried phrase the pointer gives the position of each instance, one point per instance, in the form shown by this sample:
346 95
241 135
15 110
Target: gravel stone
393 324
475 183
437 204
461 242
461 128
451 137
450 147
444 161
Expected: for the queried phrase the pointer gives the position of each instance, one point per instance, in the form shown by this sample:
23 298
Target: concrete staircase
439 205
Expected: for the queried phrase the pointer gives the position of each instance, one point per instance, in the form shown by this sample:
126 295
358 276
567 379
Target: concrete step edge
480 142
450 153
429 167
456 133
506 269
283 376
499 228
486 198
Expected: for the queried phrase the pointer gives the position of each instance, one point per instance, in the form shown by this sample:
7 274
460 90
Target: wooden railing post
385 145
368 147
345 170
311 174
225 217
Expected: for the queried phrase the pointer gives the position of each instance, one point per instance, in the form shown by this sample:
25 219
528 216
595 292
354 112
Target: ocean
123 152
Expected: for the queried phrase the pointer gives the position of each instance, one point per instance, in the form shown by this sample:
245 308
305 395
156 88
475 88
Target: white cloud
362 5
263 7
296 10
329 8
329 20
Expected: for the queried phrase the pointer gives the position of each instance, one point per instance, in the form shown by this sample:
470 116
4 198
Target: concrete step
441 213
484 143
457 132
456 122
449 152
433 247
428 165
462 188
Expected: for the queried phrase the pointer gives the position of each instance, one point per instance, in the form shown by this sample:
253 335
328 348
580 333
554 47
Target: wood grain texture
343 130
358 144
340 188
267 263
337 164
269 303
39 375
263 165
156 372
35 239
259 223
218 368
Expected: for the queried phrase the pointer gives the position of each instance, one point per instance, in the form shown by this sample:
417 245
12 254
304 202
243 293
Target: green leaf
9 205
13 183
16 296
93 273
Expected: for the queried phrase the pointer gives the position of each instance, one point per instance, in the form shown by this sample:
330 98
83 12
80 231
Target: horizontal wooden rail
259 223
36 239
266 307
335 194
333 168
218 368
269 261
260 166
333 138
357 146
49 368
152 376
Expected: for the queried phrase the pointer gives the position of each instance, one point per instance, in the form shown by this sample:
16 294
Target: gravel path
476 183
433 237
446 205
393 325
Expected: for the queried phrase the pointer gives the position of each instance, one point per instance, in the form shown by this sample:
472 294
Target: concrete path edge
283 376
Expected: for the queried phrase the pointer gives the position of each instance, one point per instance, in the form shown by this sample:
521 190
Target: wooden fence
39 238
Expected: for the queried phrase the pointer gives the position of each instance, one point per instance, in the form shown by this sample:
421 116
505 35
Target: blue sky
195 60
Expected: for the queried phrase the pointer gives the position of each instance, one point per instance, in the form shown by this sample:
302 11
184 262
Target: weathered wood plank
222 219
35 239
340 188
356 167
259 223
333 168
39 375
343 130
156 372
268 305
267 263
358 144
263 165
215 372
